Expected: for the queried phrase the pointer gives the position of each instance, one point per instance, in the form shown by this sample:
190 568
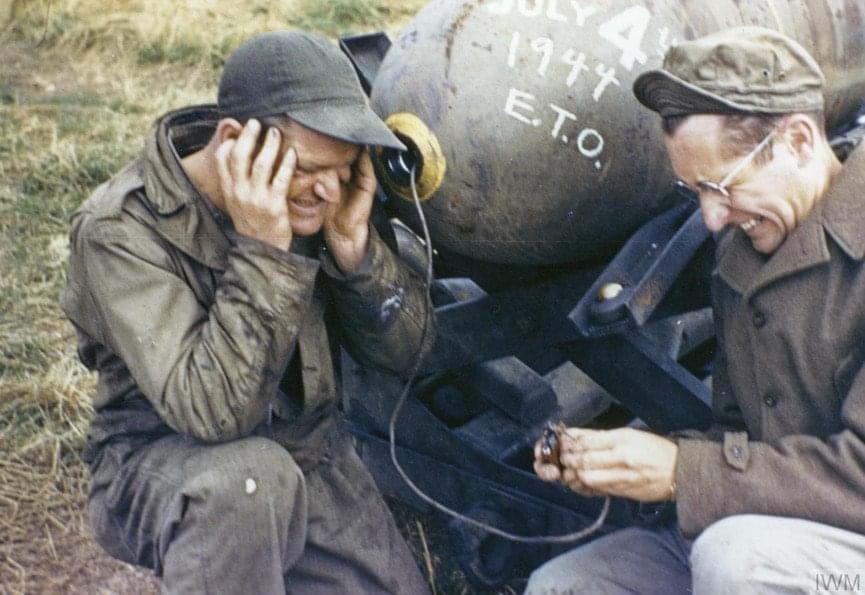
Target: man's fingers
594 459
223 154
262 167
283 176
610 479
364 173
240 156
578 439
547 472
571 479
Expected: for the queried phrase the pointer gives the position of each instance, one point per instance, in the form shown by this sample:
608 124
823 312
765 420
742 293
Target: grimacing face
767 201
324 167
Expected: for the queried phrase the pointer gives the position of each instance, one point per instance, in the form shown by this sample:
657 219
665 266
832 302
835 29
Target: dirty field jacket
789 381
185 318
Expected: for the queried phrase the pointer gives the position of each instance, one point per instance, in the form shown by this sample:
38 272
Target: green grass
182 53
339 17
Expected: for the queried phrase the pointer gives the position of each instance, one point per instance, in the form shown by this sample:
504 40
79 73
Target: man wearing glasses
771 498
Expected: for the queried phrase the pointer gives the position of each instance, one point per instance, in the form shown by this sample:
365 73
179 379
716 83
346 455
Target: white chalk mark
512 52
598 165
583 13
537 122
663 43
563 116
577 63
535 10
543 45
608 77
662 39
518 100
250 486
585 135
553 12
565 138
626 31
502 7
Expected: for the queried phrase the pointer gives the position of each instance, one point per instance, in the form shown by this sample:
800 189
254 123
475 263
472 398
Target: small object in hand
551 443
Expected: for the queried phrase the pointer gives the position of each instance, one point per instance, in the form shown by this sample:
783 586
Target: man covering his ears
211 284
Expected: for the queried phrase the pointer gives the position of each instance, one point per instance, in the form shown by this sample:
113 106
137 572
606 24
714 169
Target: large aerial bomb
526 139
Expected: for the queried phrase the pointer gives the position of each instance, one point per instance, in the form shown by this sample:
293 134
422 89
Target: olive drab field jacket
789 380
182 316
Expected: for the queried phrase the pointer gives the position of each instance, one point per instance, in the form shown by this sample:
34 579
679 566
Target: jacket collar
844 213
841 214
182 215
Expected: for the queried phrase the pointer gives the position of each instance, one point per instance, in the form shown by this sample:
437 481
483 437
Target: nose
716 216
327 186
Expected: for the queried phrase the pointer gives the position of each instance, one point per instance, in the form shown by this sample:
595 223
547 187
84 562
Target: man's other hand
255 194
552 472
346 228
624 462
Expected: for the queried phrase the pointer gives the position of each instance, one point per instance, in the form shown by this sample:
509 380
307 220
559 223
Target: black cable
566 538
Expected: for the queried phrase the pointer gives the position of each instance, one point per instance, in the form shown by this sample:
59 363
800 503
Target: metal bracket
632 286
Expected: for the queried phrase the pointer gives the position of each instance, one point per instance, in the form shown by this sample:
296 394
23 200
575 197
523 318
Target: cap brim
352 123
669 95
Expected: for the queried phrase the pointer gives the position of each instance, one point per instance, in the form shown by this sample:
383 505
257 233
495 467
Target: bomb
526 140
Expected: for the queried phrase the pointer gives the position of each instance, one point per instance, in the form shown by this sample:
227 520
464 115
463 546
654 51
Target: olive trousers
241 517
743 554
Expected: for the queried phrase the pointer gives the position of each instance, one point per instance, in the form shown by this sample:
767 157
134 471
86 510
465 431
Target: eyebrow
310 163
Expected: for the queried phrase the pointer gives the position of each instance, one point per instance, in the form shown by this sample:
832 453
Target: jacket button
759 319
736 451
770 400
268 316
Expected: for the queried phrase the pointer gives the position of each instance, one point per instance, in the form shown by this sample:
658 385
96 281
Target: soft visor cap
739 70
305 77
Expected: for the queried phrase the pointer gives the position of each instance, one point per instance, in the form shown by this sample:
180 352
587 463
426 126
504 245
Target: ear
801 134
227 129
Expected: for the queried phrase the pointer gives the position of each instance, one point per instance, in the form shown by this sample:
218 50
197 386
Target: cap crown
744 69
279 71
751 66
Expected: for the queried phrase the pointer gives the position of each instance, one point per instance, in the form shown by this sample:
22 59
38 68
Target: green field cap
744 69
305 77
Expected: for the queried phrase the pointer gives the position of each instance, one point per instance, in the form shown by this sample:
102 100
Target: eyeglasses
720 188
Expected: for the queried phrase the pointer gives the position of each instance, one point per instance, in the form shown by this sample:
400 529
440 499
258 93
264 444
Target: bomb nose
423 155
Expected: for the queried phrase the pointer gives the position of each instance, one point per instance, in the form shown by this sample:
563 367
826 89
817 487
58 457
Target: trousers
742 554
242 517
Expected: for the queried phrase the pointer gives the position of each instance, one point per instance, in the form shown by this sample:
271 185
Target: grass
80 83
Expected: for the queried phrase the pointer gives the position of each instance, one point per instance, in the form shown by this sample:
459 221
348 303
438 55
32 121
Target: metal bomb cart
571 283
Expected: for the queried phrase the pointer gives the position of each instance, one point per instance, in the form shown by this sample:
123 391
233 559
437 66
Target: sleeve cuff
366 268
697 484
272 277
257 247
706 472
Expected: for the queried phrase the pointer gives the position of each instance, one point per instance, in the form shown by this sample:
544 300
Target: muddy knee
246 479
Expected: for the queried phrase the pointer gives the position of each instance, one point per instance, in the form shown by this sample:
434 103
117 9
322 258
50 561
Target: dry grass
80 82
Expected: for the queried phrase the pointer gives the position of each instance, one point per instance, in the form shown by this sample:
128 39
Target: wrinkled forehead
696 148
314 149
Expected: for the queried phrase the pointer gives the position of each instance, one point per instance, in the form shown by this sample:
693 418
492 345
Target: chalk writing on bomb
549 59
